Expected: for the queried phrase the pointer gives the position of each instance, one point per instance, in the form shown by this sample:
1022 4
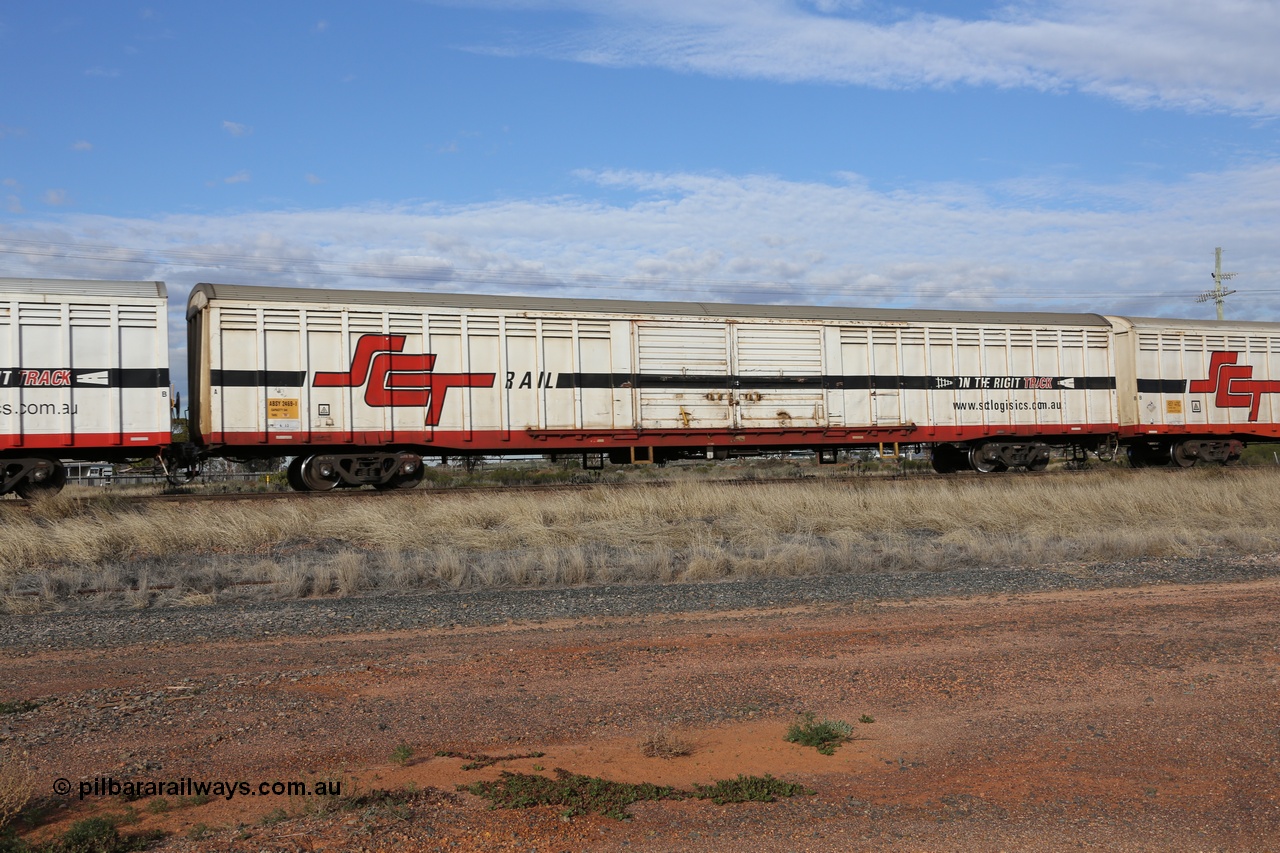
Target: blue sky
1069 155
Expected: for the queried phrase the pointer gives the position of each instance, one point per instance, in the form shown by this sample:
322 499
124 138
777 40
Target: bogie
383 471
990 457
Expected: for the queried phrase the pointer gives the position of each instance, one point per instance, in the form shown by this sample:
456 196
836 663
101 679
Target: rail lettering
23 378
1233 385
1007 406
7 409
1006 383
397 380
545 380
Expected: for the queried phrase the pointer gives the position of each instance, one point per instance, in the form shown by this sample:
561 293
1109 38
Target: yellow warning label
1173 407
282 410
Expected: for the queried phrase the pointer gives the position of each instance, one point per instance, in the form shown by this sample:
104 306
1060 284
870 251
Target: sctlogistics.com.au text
133 789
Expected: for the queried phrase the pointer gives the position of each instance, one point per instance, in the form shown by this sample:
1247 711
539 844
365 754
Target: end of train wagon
83 375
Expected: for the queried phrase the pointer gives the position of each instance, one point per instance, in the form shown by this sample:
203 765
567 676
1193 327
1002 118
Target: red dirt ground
1142 719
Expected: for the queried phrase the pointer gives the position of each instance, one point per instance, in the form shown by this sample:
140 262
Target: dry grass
17 786
687 531
661 743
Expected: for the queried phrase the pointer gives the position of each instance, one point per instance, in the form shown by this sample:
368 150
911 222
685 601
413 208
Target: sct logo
1233 384
397 379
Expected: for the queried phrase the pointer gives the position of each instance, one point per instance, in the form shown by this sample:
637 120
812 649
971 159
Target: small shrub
663 744
401 754
20 706
128 817
748 789
577 794
397 804
574 793
822 735
99 835
199 832
276 815
866 718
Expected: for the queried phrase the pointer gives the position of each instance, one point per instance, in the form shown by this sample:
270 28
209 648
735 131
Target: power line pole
1219 292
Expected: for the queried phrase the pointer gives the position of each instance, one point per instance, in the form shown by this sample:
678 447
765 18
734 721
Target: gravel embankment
95 628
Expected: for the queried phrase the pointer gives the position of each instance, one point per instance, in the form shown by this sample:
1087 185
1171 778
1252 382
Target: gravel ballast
86 626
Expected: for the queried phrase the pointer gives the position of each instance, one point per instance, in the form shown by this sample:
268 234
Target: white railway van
83 375
1196 390
359 385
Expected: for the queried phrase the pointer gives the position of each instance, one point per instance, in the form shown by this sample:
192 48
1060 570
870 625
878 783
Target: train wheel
985 459
948 459
408 475
55 477
412 481
1180 455
313 477
182 476
294 474
1039 464
402 481
1137 456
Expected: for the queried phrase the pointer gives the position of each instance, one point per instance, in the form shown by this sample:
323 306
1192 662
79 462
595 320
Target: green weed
822 735
199 832
276 815
576 794
748 789
94 835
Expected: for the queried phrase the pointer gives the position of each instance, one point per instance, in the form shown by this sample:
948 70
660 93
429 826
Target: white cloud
1138 248
56 197
313 179
99 71
1195 56
235 128
241 177
82 145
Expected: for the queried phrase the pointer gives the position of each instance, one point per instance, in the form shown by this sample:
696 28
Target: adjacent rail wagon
1195 390
360 385
83 375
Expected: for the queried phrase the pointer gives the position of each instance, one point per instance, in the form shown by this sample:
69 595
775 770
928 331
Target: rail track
445 492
